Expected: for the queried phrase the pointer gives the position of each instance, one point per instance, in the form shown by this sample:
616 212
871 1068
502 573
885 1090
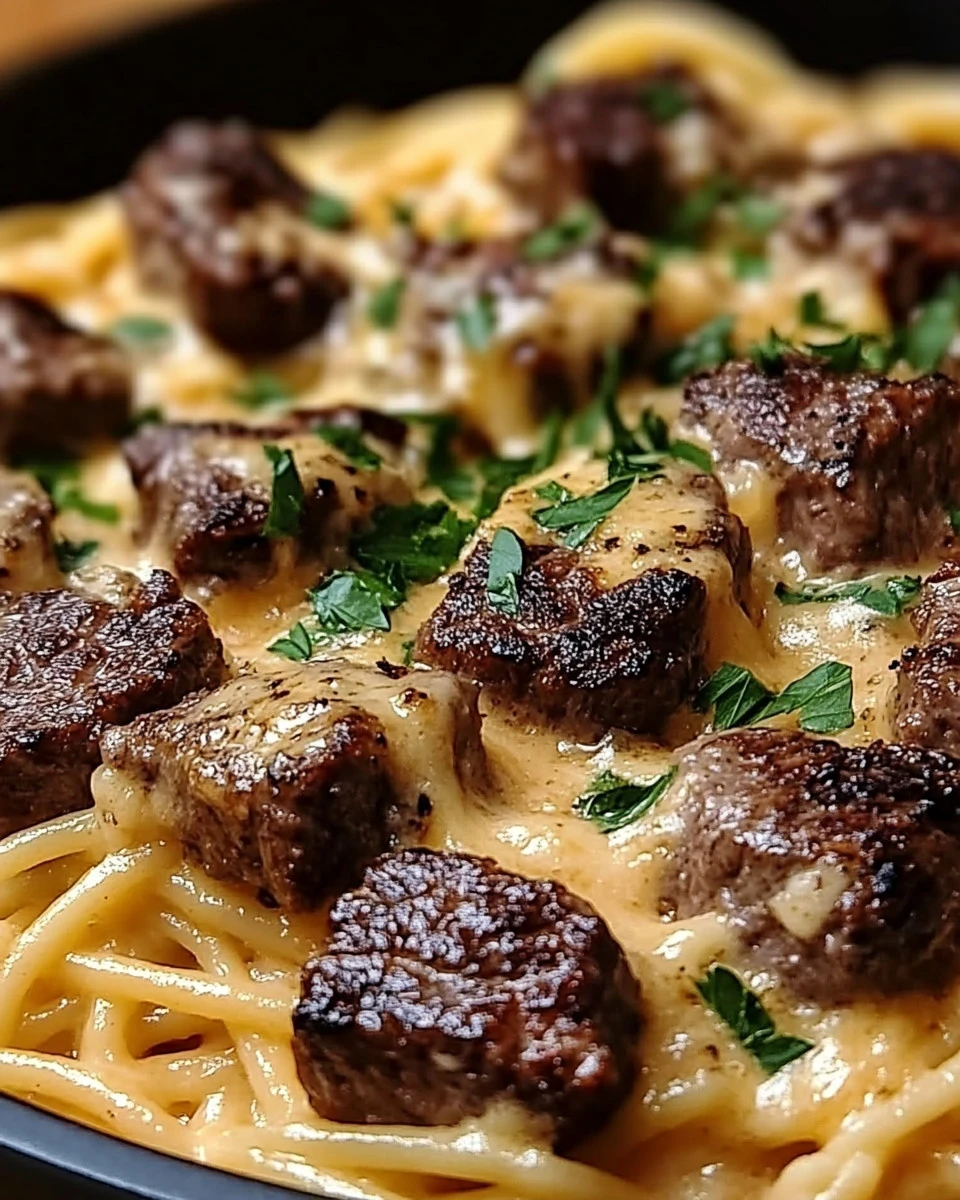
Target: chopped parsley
708 346
953 516
757 214
576 518
261 389
60 479
566 233
811 311
888 595
384 306
929 335
768 355
72 555
612 802
499 474
855 352
823 698
145 416
297 645
504 569
455 480
742 1011
477 322
749 264
690 219
350 601
403 212
142 332
286 494
411 543
657 434
349 441
328 211
664 100
407 648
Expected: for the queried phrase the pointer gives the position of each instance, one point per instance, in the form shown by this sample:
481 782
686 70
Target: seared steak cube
60 388
216 218
898 213
615 634
865 468
73 663
448 984
837 867
205 495
293 781
632 145
27 559
927 704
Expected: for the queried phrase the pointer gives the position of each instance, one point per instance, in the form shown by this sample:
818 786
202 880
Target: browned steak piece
624 657
898 212
216 218
74 662
293 781
448 984
865 468
927 703
205 494
27 559
60 388
632 145
839 867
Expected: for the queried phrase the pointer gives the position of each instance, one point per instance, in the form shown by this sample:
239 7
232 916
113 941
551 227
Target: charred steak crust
60 388
927 700
596 139
901 207
626 658
205 489
216 218
27 559
866 467
74 662
449 983
758 807
285 791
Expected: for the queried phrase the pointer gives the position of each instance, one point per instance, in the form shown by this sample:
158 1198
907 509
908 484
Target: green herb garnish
142 333
349 441
757 214
823 698
953 516
403 212
328 211
72 555
412 543
499 474
297 645
811 311
664 100
350 601
503 572
929 335
566 233
613 802
384 306
286 494
742 1011
888 596
691 218
769 354
576 518
749 264
708 346
261 389
60 479
477 322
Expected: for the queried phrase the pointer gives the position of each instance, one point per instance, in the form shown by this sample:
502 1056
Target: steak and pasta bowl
480 637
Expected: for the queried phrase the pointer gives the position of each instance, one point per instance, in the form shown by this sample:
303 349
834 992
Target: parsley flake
261 389
929 335
499 474
328 211
504 569
566 233
612 802
953 516
888 595
823 698
286 495
477 322
297 645
383 309
60 479
142 332
351 601
691 218
757 214
411 543
708 346
576 518
664 100
811 311
742 1011
749 264
349 441
72 555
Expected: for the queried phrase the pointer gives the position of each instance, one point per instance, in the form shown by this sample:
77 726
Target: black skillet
72 126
